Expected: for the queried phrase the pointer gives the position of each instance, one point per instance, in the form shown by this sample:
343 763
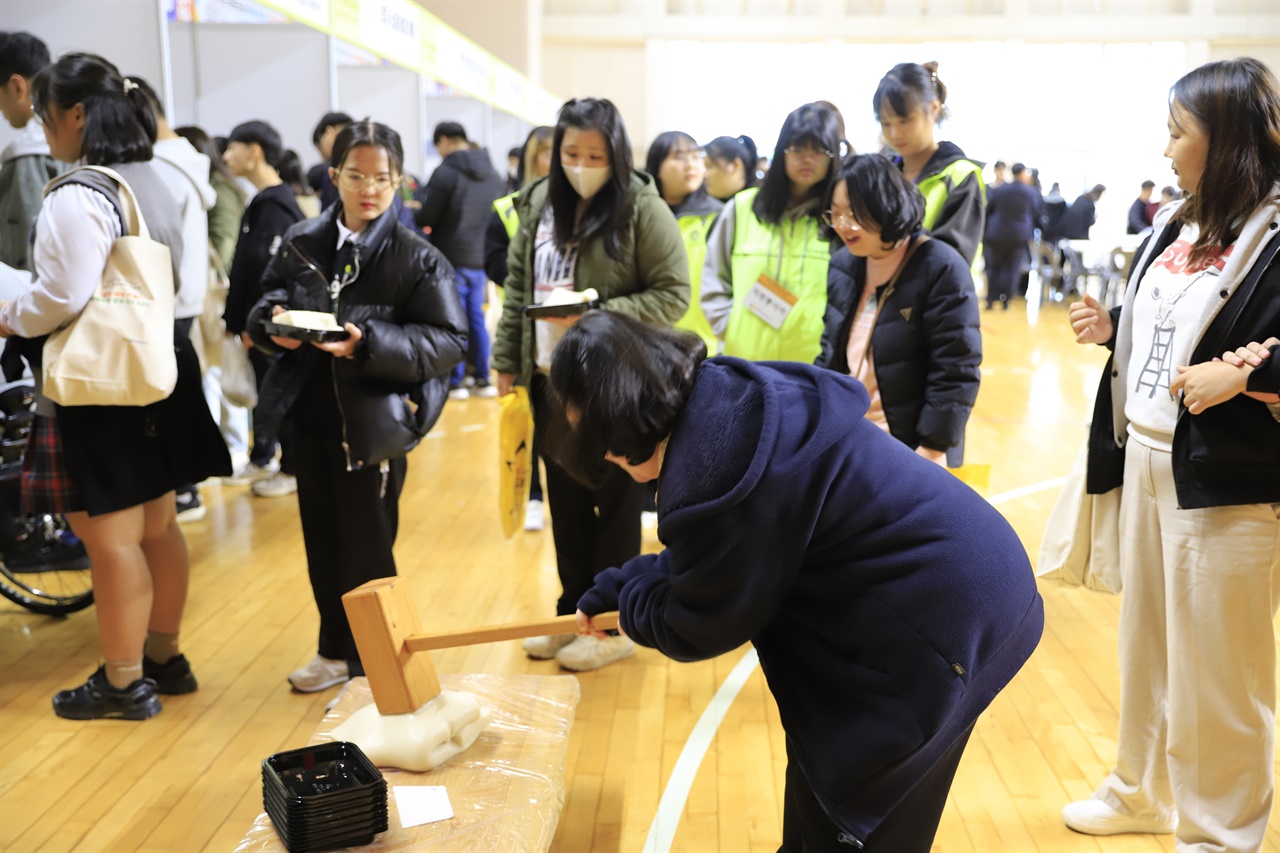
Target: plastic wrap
506 790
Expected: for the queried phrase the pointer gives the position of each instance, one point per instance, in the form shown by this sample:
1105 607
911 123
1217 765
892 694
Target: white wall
226 74
125 32
388 94
618 72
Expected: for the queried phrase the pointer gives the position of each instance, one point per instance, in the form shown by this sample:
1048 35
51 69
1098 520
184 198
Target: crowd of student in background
864 263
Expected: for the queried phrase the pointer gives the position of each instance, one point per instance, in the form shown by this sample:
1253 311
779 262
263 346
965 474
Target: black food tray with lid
543 311
319 336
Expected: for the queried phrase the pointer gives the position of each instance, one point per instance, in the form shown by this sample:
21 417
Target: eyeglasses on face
840 220
355 182
808 152
694 155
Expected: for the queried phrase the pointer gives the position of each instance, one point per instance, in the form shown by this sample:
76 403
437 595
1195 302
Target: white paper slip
419 804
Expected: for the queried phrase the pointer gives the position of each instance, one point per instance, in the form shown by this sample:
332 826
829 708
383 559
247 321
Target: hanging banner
393 29
313 13
508 89
221 12
463 65
540 106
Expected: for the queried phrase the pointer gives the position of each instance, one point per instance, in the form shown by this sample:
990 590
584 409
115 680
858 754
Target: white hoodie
185 171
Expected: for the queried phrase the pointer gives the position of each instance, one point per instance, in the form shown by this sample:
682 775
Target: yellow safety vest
794 254
693 230
936 188
505 207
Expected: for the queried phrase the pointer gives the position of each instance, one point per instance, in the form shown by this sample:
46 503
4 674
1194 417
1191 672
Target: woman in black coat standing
358 405
912 336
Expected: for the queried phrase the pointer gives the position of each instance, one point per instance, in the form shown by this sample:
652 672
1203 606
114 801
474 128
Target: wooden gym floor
189 778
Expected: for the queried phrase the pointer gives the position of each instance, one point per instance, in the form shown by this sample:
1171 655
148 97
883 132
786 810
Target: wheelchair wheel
59 589
51 593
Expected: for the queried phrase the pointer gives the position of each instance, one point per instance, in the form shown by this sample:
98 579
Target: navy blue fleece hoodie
888 602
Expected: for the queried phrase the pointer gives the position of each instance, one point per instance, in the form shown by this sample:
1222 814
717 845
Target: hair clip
129 85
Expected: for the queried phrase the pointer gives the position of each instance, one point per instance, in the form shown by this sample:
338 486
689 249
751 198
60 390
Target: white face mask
588 180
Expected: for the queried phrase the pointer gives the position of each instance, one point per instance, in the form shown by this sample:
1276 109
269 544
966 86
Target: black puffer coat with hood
403 299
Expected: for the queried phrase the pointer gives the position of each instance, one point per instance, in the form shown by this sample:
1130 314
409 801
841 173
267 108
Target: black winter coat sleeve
436 197
496 244
952 328
430 340
963 219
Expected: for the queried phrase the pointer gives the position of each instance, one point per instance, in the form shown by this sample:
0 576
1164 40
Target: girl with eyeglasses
909 103
679 169
593 222
902 316
360 404
764 285
731 166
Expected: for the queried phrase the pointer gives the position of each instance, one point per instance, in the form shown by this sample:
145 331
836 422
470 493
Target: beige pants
1197 661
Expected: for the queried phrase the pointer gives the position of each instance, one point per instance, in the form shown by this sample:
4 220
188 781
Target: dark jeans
1004 259
594 529
349 523
266 440
471 289
908 828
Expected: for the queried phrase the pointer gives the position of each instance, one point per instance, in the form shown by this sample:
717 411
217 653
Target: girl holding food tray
362 387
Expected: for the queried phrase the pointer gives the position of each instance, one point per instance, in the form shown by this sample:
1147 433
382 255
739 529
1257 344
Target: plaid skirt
46 486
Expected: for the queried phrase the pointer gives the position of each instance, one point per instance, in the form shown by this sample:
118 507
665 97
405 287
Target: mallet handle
511 631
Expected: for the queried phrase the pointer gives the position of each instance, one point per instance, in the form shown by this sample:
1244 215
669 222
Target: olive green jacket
650 283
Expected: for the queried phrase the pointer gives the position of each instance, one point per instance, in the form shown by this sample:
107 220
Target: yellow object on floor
976 477
515 458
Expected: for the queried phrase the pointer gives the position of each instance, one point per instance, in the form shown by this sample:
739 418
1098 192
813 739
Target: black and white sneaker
190 507
96 699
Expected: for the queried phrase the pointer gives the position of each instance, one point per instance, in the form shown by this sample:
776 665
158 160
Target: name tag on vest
770 301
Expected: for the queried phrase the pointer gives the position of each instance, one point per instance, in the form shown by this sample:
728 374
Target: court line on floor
1022 492
666 820
671 807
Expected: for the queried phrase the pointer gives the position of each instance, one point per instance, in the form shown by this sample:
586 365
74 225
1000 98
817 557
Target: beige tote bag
1081 544
119 351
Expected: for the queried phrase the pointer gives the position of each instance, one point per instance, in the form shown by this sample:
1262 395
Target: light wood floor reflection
189 778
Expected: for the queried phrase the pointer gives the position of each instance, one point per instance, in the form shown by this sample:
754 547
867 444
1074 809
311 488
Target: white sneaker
320 674
276 486
249 473
586 653
545 648
533 515
483 391
649 520
459 394
1094 817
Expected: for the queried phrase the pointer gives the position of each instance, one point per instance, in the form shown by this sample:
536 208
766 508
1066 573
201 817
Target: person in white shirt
1200 471
112 470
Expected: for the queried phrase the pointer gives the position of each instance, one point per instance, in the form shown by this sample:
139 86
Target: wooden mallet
393 650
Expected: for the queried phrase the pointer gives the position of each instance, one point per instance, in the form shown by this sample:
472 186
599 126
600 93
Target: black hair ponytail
119 124
910 86
726 149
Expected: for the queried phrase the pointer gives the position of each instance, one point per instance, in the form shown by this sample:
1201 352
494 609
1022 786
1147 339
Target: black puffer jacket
926 346
456 204
403 300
